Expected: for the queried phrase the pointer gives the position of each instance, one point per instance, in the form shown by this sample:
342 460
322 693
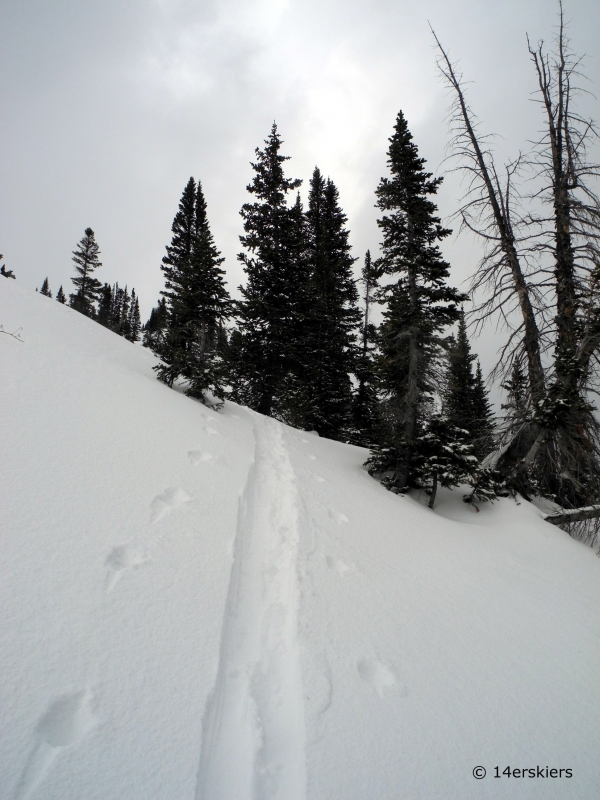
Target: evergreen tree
120 311
467 404
156 326
105 306
293 402
134 321
419 305
442 454
45 290
461 380
272 312
209 307
176 268
517 396
483 427
86 261
366 400
329 341
197 301
60 295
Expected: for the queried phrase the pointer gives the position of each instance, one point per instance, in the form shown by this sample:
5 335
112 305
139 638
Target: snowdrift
214 606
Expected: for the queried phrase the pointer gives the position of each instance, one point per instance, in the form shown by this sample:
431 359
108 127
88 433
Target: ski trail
253 738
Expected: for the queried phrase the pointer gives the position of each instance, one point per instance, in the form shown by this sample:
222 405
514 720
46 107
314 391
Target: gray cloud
108 108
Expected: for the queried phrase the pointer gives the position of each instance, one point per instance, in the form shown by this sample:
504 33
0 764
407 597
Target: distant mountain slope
199 605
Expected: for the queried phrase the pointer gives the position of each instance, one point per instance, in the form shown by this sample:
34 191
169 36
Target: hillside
214 606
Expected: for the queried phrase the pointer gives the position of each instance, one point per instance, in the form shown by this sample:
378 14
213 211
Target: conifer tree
466 401
45 290
483 417
272 311
209 307
366 400
105 306
176 268
156 326
516 388
293 402
85 258
120 310
442 455
60 295
197 301
461 380
333 315
134 321
420 305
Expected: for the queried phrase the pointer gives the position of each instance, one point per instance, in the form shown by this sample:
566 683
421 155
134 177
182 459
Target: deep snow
202 606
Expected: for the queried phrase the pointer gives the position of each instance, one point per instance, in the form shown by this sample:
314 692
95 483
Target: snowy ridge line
253 732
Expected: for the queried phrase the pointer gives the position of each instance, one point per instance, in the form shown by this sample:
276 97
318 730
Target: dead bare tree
488 213
558 440
569 233
490 205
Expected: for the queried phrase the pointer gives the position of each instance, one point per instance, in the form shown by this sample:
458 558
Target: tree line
111 306
301 345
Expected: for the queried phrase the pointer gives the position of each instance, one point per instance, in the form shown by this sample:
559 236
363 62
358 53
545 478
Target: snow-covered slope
202 606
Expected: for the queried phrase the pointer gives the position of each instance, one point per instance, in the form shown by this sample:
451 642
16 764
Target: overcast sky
108 107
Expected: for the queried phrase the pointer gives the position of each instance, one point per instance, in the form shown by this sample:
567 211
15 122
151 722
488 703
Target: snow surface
214 606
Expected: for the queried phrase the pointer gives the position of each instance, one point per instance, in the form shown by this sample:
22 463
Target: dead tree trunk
554 82
504 232
573 515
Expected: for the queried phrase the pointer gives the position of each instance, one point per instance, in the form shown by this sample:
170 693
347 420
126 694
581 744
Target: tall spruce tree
197 301
366 400
134 322
105 306
119 311
121 304
420 305
442 455
156 326
209 307
517 400
329 352
467 403
272 312
483 426
45 290
85 258
114 308
461 380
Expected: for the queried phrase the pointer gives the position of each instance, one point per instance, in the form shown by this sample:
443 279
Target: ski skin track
253 731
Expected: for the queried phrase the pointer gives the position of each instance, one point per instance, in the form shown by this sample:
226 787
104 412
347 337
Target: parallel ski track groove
253 737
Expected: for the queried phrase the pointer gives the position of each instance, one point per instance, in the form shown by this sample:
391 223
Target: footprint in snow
65 723
119 560
172 497
198 456
67 720
378 675
312 458
212 432
338 516
318 478
338 566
